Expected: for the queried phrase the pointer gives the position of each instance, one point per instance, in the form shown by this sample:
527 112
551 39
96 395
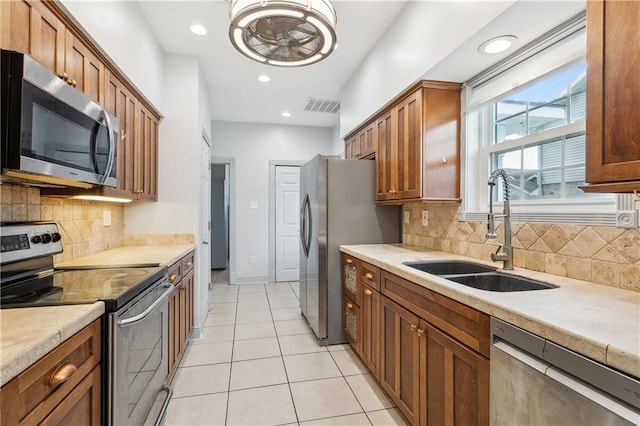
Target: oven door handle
140 317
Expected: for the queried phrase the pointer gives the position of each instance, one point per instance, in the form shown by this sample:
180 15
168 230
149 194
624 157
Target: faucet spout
506 255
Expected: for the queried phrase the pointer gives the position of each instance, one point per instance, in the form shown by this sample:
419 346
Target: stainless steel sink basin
497 281
450 267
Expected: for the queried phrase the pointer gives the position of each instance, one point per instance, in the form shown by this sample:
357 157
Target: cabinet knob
368 292
349 261
349 306
368 276
74 83
445 161
420 332
414 327
124 135
189 263
173 277
62 374
64 76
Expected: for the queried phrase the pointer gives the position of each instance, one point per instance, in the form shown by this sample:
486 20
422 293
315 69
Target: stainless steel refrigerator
337 207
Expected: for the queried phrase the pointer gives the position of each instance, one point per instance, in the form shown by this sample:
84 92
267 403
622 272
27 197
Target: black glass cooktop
115 287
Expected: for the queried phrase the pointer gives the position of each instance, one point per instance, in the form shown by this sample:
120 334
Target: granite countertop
138 255
600 322
28 334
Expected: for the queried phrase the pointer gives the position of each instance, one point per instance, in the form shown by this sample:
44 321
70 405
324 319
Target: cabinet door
120 103
81 406
370 329
409 147
32 28
613 125
351 323
400 366
146 155
351 278
85 72
187 289
367 141
386 163
456 388
174 332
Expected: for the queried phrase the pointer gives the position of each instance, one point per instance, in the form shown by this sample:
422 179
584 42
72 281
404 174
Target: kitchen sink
496 281
450 267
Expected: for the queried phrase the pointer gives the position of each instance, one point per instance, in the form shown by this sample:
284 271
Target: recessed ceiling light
497 45
198 29
286 114
264 78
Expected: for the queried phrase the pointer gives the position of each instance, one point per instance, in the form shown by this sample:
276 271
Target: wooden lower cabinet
400 367
370 328
180 310
429 352
33 397
455 385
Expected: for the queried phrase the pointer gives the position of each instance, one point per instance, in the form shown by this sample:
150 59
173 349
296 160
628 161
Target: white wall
113 25
252 146
416 41
337 144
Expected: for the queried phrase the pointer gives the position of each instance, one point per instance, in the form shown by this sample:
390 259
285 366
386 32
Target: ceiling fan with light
285 33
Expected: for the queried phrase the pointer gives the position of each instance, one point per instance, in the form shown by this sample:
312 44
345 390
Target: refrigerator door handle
303 226
308 222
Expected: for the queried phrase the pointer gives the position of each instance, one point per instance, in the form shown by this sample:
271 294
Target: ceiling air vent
321 105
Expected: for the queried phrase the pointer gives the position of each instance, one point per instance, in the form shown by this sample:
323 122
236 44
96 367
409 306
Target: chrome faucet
506 255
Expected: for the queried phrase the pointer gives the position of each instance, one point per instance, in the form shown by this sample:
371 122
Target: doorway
222 220
284 232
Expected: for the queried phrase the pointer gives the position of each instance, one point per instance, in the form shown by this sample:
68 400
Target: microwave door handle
112 147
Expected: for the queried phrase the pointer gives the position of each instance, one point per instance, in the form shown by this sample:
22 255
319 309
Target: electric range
134 327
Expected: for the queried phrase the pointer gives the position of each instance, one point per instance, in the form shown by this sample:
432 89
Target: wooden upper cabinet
349 147
83 69
146 155
384 168
613 94
29 27
405 163
361 144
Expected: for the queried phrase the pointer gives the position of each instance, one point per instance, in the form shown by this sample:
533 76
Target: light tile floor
258 363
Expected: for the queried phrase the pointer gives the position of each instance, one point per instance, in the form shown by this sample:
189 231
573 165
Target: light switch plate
252 259
253 205
407 217
106 218
425 217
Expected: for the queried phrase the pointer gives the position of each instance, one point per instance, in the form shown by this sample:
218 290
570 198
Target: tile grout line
233 344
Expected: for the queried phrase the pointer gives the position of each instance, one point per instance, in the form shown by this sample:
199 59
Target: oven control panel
21 241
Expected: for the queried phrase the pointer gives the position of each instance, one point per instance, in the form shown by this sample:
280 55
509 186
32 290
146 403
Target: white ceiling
237 95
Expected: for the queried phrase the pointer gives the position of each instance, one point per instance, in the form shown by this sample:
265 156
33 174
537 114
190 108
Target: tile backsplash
80 222
603 255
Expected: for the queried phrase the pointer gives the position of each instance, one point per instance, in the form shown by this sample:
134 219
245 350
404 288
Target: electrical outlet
106 218
407 217
425 217
252 259
253 205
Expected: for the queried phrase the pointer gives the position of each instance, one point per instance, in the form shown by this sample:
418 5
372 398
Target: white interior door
287 223
205 223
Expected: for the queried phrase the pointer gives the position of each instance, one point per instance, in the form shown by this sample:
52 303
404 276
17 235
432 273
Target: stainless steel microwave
51 132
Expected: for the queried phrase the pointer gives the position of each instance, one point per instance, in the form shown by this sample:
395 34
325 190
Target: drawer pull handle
368 292
368 276
173 277
349 261
349 306
62 374
189 263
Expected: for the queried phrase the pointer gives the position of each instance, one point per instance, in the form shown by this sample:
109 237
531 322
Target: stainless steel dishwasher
537 382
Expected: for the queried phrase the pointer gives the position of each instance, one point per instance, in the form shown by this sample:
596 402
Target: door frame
272 211
231 162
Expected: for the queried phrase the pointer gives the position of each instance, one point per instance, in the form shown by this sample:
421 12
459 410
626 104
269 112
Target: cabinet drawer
175 272
466 324
351 278
187 263
33 394
351 322
370 275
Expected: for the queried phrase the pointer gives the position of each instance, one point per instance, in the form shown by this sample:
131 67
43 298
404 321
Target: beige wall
79 222
603 255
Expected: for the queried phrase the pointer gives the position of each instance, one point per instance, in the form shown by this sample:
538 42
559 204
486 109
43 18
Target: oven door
138 360
53 129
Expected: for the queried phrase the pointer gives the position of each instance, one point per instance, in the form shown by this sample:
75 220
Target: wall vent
321 105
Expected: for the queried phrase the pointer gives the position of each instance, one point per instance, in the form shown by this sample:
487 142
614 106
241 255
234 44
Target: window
533 137
526 114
